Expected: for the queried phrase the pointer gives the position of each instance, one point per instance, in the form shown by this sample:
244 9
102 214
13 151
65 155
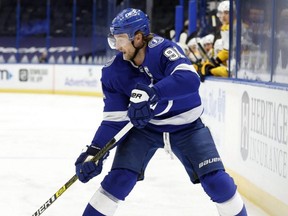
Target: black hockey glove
141 100
216 62
86 169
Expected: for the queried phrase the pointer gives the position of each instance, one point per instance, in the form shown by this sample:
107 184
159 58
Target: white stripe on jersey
184 67
183 118
167 109
116 116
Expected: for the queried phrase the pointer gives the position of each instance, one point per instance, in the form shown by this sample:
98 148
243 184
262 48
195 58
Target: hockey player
219 66
194 55
208 42
150 70
218 46
223 14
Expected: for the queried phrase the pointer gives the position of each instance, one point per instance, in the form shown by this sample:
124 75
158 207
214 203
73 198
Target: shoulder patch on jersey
109 62
155 41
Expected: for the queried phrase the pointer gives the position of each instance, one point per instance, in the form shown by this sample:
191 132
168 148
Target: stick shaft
202 50
72 180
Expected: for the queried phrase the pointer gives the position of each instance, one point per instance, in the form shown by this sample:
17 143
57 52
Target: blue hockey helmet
130 21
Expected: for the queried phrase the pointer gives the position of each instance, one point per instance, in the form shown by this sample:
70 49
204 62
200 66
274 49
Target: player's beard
136 51
128 55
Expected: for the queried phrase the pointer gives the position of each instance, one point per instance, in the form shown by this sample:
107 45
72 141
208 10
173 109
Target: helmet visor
119 40
111 41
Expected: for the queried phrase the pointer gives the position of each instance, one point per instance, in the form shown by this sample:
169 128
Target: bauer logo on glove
138 96
140 111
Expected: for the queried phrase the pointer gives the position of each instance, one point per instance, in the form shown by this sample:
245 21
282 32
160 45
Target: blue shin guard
221 188
119 182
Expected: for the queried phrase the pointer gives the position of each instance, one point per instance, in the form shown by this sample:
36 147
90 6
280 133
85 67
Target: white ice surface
40 138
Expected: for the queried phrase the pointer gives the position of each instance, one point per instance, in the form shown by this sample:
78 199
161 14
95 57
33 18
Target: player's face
124 45
208 47
193 48
224 17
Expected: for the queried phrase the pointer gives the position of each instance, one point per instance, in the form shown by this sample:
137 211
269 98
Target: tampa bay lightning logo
245 126
155 41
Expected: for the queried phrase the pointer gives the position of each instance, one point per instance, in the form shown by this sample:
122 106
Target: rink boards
51 78
249 123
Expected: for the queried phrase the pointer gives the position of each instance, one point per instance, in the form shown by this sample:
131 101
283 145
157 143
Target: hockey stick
97 157
204 53
197 59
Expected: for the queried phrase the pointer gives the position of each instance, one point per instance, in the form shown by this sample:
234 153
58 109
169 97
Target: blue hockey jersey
171 74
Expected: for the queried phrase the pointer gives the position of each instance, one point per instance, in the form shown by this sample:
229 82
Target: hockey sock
233 206
89 211
243 212
101 204
119 182
115 186
222 190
